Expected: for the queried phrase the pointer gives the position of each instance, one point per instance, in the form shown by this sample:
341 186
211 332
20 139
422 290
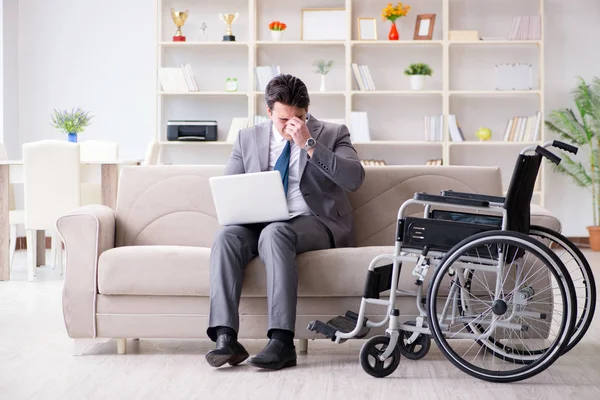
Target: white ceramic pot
417 82
322 89
276 35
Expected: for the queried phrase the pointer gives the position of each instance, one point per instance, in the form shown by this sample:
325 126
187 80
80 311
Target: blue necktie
283 165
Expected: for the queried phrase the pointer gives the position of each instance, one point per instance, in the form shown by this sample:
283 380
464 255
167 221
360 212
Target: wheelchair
505 300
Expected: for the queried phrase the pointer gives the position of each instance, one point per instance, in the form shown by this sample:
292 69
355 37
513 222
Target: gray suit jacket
333 170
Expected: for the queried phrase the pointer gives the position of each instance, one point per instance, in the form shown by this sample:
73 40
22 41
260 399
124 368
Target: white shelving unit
461 83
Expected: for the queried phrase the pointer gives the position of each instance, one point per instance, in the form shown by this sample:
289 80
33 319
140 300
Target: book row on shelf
433 126
523 129
362 77
239 123
382 163
178 79
528 27
264 74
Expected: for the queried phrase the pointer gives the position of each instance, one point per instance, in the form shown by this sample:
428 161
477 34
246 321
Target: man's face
282 113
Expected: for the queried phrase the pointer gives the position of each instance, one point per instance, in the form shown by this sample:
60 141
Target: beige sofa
142 271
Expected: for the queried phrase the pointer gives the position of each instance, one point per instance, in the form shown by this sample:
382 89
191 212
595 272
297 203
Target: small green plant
322 67
583 131
73 121
418 69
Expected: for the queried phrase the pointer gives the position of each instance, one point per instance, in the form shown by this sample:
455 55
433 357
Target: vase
72 137
394 35
417 82
322 88
276 35
594 232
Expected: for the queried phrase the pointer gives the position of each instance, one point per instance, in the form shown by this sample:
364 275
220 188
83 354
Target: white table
106 173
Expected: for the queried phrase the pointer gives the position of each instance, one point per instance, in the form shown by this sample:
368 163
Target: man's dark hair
288 90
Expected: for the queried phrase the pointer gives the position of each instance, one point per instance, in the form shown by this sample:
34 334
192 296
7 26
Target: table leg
110 184
41 248
4 224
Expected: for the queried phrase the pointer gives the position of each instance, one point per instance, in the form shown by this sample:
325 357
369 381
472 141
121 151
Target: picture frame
318 24
367 28
424 27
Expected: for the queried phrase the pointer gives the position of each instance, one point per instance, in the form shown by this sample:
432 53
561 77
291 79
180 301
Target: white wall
97 55
571 29
100 55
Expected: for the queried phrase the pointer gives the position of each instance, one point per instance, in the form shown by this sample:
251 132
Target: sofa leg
303 345
121 346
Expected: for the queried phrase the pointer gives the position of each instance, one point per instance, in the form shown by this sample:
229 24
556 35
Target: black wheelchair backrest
520 192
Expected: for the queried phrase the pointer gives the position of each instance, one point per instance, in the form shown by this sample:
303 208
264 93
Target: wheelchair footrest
342 323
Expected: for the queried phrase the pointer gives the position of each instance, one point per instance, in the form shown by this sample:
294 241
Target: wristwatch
310 143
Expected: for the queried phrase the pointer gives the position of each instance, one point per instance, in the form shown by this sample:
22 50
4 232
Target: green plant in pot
71 122
583 131
417 73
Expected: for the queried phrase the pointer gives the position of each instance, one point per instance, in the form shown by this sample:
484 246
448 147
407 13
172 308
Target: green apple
484 134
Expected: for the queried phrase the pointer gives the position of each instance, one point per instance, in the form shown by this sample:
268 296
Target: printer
191 131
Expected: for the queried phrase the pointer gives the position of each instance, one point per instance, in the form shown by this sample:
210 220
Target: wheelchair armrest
421 196
475 196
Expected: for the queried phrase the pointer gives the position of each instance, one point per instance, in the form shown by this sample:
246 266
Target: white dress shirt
295 199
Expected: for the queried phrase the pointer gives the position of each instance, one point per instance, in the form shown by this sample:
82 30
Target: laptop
249 198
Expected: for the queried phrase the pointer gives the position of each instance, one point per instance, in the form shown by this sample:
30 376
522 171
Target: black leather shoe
275 356
228 350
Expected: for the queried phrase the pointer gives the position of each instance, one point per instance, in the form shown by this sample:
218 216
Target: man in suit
318 166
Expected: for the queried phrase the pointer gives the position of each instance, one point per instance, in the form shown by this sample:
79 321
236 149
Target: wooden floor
36 363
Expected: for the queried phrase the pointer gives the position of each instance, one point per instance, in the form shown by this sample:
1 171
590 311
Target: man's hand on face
298 130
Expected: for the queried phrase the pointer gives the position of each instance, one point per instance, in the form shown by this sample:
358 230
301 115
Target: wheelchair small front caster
370 361
417 349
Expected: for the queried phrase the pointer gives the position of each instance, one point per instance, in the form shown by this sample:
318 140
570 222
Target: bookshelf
462 83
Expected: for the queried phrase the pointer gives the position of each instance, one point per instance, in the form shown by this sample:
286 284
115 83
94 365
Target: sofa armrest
542 217
87 232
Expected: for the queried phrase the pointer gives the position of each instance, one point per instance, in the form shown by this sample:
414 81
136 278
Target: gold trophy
179 18
228 19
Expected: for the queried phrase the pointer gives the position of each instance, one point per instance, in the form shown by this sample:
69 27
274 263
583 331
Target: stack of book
180 79
526 28
239 123
359 127
264 74
523 129
372 163
434 162
362 76
433 127
456 132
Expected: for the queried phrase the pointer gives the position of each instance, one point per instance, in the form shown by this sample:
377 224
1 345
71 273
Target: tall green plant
583 131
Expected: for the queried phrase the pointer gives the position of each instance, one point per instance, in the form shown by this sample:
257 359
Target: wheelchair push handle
565 146
548 154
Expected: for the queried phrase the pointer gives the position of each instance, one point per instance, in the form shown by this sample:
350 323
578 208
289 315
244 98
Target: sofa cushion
185 271
154 270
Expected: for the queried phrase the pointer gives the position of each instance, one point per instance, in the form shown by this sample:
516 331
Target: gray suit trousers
277 244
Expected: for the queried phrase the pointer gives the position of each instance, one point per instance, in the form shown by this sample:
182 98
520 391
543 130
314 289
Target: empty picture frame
367 29
424 27
323 24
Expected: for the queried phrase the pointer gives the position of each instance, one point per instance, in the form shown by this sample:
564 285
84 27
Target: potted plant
277 29
582 131
71 122
417 73
392 13
322 68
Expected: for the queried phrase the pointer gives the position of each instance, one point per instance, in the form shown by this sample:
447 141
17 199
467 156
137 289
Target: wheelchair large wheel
518 295
581 273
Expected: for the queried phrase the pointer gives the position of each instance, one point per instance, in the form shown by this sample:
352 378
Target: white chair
152 153
51 171
15 217
94 151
